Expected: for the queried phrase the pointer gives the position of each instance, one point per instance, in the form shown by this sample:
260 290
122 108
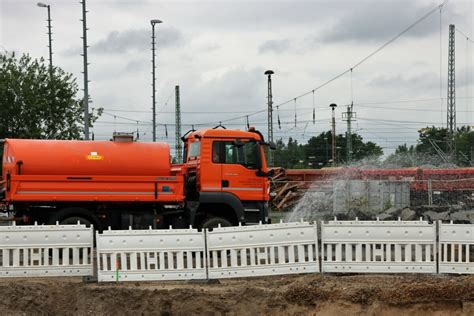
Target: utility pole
333 107
153 22
269 73
451 120
86 73
349 117
50 46
179 151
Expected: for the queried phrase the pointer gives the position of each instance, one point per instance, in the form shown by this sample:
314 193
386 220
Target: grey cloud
211 47
137 66
275 46
464 76
238 89
422 82
128 41
376 21
136 40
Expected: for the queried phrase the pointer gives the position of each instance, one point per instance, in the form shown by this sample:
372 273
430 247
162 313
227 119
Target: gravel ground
312 294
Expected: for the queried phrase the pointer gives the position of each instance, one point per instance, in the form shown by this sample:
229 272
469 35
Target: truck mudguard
224 198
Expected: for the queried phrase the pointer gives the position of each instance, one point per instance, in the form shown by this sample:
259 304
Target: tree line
42 103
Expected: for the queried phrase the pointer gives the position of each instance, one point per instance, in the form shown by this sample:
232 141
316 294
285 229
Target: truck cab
226 177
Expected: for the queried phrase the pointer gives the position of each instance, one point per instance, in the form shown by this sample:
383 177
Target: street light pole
153 22
333 107
43 5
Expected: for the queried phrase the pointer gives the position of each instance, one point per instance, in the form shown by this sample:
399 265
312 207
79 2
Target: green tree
431 138
289 155
37 103
464 146
432 148
317 152
404 157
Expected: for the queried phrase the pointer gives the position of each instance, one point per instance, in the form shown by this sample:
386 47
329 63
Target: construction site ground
312 294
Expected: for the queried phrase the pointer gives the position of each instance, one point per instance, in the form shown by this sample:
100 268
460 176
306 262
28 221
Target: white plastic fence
131 255
259 250
46 250
456 248
242 251
378 246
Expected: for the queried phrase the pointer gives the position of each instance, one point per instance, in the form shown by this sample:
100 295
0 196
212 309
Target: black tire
70 216
74 219
213 222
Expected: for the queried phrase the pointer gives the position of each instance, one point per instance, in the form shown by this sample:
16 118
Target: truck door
239 167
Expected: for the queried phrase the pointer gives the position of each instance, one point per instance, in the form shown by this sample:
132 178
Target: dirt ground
315 294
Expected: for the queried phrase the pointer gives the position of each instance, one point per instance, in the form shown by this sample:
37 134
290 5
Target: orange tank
81 158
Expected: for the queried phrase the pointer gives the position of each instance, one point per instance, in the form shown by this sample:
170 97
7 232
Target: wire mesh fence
451 199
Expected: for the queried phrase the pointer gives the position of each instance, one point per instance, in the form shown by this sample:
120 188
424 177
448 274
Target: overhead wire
363 60
327 82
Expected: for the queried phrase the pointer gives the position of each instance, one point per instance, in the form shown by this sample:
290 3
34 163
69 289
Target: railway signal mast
269 73
349 116
178 147
451 119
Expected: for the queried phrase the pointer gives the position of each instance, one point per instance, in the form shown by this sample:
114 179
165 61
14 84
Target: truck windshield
246 154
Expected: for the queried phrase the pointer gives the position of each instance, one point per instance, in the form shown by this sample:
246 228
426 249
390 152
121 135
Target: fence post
430 193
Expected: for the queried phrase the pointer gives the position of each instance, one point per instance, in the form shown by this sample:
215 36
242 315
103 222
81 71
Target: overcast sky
218 51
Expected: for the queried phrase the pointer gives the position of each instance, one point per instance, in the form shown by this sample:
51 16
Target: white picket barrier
46 250
132 255
378 246
456 248
259 250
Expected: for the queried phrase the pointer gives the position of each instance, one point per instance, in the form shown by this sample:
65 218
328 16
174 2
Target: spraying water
342 196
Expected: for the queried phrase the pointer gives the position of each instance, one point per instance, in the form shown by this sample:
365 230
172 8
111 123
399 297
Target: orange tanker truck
120 183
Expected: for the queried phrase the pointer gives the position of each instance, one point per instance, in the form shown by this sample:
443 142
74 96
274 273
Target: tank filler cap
120 137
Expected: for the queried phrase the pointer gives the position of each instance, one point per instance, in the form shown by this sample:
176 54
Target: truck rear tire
213 222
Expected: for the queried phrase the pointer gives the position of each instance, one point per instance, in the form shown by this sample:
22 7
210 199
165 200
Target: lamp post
153 22
333 107
43 5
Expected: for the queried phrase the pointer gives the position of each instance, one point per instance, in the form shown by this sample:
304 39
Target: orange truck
223 180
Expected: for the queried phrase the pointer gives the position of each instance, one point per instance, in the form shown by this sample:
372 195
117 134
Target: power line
463 34
124 118
393 39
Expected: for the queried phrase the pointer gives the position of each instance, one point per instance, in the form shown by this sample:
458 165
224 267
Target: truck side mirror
259 161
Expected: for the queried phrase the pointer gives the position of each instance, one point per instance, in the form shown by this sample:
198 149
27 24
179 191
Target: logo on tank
94 156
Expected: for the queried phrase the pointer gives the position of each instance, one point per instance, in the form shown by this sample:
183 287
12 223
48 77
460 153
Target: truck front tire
213 222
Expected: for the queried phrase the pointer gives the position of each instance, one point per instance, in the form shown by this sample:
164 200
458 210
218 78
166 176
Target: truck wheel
70 216
73 220
213 222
